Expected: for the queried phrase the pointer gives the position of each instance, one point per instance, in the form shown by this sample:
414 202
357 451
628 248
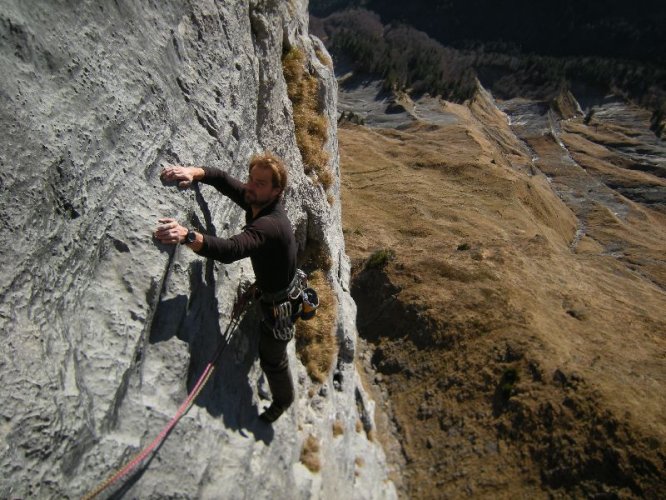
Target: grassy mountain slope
510 360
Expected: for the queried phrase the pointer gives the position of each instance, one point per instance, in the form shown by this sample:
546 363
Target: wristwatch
190 238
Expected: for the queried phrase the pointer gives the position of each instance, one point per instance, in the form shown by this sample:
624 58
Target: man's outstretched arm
226 250
217 178
185 176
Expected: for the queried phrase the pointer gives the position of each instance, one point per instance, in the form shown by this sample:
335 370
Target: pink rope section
160 437
241 304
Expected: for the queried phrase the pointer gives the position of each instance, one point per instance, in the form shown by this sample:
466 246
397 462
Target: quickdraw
283 324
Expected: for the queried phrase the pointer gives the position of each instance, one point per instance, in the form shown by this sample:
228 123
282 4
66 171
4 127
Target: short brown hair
269 160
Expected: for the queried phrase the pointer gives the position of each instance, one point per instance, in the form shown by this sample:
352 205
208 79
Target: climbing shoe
272 413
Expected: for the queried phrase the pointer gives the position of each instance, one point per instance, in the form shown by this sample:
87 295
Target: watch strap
191 237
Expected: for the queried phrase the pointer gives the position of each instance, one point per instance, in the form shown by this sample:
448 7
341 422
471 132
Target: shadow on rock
228 392
169 319
196 320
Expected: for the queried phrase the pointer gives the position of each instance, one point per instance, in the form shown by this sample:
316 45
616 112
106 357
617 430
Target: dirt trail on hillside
511 353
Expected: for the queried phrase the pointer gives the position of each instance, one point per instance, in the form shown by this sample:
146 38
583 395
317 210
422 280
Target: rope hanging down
238 310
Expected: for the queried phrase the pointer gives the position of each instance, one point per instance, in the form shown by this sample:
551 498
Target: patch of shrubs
380 258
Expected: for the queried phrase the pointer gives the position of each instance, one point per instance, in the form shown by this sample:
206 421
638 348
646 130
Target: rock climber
268 240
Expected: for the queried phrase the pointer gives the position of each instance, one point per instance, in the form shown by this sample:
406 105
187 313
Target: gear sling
280 310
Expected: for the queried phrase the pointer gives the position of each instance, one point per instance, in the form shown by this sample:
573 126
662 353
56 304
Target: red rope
160 437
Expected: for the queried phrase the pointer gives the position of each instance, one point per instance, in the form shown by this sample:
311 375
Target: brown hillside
509 359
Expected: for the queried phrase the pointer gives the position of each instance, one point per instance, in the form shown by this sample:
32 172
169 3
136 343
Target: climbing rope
239 308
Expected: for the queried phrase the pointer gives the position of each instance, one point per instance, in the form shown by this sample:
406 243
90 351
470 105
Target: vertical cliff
104 332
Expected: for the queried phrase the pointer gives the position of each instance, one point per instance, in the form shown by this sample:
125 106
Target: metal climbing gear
281 309
299 283
283 326
310 303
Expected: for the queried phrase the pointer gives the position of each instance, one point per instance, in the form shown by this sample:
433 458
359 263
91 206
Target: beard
252 199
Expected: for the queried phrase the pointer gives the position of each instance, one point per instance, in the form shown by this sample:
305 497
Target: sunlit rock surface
104 332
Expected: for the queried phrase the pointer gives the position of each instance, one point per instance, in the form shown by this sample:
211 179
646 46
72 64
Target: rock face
105 332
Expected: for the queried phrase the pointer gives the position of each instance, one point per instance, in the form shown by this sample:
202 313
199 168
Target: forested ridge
457 46
615 28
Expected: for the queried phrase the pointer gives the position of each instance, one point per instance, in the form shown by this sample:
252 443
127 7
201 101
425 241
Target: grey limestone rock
104 332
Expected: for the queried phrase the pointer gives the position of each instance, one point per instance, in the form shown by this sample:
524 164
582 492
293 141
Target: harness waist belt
281 295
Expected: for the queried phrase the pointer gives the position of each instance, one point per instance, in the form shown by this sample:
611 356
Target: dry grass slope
514 366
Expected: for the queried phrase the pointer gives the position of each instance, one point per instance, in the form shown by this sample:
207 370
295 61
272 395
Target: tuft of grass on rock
310 454
359 425
359 463
338 428
309 121
324 58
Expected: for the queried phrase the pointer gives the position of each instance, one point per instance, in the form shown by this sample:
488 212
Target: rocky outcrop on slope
105 331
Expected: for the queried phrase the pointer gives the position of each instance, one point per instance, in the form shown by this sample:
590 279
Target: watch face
191 237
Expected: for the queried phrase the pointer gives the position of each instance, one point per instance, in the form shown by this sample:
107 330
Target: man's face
259 190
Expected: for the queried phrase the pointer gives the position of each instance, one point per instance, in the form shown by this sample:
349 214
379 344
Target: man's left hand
170 232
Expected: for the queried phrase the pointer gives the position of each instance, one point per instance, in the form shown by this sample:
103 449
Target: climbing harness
281 309
238 309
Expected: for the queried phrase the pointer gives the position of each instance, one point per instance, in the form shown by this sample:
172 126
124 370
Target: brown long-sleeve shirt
268 239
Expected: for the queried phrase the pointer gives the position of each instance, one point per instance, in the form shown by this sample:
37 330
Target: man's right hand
185 176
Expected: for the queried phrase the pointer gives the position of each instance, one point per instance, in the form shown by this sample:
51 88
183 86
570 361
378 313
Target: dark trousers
275 364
